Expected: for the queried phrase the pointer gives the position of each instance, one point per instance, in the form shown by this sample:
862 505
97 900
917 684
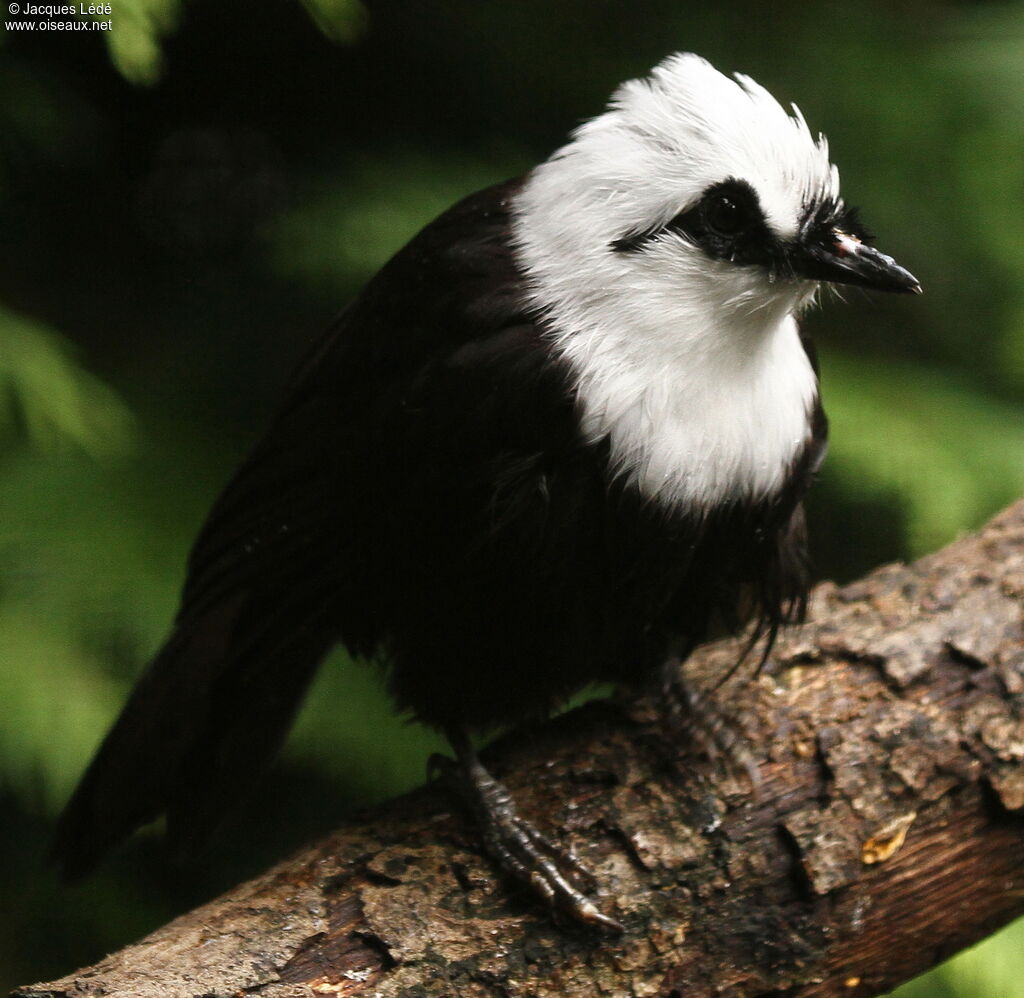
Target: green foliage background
182 211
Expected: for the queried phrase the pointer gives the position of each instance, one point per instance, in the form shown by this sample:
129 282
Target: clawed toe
523 852
531 857
709 728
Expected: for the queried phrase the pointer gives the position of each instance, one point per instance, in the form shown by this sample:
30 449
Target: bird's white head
669 246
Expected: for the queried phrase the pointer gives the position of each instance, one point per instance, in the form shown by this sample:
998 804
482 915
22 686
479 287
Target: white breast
696 431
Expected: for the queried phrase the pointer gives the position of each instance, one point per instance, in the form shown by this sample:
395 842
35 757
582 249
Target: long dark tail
202 723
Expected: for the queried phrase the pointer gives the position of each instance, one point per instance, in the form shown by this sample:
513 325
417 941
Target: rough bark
887 831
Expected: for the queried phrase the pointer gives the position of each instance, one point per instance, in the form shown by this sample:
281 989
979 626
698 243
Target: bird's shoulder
453 291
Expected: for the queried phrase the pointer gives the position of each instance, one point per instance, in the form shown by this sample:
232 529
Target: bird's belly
512 627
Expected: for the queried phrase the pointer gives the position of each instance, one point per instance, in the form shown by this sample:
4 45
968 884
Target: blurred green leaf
992 969
137 27
55 701
46 396
89 565
950 452
340 20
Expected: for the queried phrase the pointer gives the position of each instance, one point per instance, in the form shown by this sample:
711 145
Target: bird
556 438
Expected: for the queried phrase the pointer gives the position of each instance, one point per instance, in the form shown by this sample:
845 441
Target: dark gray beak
844 259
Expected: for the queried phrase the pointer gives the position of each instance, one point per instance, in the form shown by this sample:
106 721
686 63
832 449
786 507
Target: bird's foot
707 725
550 870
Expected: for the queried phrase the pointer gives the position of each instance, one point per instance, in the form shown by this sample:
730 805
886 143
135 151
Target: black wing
279 572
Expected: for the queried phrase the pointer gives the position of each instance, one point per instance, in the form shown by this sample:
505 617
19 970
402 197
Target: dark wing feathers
274 564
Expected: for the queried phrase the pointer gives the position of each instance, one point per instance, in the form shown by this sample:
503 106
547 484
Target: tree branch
886 832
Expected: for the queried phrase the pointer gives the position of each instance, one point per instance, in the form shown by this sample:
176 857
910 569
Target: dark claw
520 849
562 854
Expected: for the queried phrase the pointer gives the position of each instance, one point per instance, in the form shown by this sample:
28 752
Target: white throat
699 431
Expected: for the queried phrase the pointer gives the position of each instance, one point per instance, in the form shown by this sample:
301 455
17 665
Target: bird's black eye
726 222
725 215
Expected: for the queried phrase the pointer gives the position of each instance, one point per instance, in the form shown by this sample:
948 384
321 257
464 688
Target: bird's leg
519 849
698 716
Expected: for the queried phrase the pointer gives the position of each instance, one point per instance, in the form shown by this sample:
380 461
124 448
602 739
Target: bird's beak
843 259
